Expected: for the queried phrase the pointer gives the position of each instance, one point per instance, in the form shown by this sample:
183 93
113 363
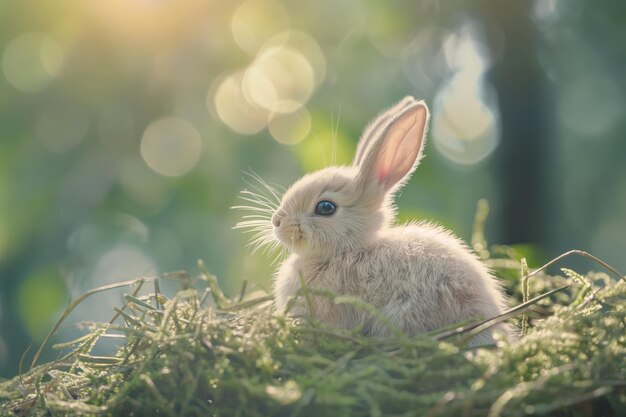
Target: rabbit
339 226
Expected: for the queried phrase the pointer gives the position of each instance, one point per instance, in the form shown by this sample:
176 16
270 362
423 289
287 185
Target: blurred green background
126 125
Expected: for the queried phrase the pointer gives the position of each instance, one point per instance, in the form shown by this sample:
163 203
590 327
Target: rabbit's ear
374 127
395 153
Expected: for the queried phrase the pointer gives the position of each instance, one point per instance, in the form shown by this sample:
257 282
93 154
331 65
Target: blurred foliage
125 127
40 295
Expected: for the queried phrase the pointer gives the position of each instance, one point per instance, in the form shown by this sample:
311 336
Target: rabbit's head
341 208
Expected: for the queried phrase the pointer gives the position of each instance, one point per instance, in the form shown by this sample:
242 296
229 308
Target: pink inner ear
382 176
402 145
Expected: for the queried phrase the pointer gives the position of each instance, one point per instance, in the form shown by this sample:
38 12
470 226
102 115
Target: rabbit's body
419 276
339 224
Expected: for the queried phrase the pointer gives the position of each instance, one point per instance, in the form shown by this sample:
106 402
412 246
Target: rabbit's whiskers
261 201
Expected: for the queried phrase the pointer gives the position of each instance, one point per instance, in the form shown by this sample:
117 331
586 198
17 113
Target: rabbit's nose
276 220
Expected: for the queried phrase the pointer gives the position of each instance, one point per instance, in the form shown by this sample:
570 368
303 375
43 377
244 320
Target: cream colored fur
420 276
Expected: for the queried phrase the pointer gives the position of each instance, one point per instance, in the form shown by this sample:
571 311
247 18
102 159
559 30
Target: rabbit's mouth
290 235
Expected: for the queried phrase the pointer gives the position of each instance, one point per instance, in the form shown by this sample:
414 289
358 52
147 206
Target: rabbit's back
419 276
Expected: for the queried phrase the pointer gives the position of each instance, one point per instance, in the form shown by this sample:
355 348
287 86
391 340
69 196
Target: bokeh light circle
171 146
31 61
292 128
464 53
234 109
255 21
465 127
305 45
280 80
123 262
423 61
592 105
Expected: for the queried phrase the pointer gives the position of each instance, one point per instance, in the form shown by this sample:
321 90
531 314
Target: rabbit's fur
419 276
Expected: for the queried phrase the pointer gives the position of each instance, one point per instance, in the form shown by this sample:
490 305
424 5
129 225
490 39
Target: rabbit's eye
325 208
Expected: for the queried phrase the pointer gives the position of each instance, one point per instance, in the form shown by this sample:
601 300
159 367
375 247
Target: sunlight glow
464 127
292 128
464 54
171 146
147 22
465 121
256 21
31 61
233 108
304 44
280 80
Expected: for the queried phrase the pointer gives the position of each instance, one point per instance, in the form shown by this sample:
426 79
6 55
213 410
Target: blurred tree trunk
523 156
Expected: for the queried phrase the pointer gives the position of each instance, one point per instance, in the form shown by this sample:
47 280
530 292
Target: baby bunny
339 225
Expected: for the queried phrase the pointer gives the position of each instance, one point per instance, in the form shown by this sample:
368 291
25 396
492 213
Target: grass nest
200 353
